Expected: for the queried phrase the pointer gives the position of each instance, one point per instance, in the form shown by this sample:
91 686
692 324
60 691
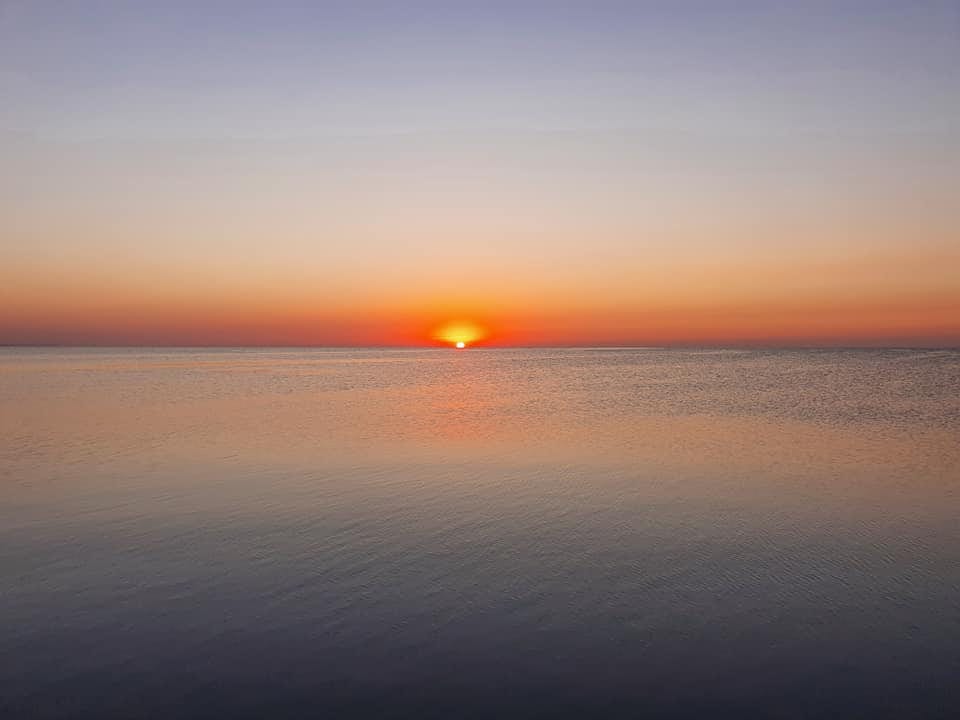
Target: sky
552 173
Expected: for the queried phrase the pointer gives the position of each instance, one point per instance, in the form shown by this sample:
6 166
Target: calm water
264 533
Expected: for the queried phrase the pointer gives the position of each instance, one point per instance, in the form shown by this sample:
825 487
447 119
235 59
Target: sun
459 333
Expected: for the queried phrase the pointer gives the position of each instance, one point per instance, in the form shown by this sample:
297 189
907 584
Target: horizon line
675 346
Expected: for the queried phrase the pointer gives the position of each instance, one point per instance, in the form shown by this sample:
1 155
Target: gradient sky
352 173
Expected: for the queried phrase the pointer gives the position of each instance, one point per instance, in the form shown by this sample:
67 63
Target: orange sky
904 301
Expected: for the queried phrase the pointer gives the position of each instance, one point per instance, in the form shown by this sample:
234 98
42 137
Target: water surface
288 533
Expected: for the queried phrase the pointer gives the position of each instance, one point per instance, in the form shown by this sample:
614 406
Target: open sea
481 533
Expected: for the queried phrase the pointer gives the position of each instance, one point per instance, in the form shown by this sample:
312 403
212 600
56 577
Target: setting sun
459 333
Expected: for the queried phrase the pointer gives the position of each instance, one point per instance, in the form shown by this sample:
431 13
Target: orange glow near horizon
756 301
74 315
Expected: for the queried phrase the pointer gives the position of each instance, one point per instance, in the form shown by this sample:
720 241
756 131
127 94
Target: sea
496 533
